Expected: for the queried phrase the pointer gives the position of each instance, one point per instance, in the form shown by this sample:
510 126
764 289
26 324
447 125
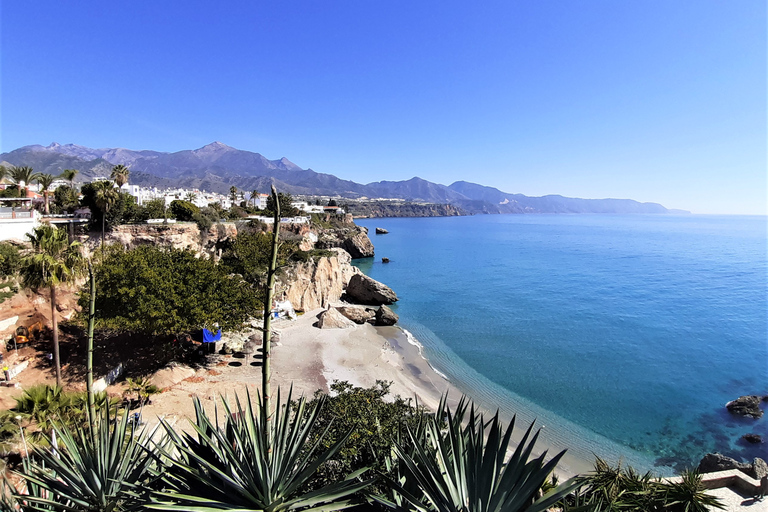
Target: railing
16 215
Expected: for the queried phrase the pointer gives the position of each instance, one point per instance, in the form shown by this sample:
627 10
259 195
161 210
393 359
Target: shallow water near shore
623 335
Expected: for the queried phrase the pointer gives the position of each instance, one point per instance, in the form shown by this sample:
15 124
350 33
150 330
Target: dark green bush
183 210
375 423
159 290
10 260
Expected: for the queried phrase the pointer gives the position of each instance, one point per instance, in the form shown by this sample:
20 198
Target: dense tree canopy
159 291
65 199
183 210
249 253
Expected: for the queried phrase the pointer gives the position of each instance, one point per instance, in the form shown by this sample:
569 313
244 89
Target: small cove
622 334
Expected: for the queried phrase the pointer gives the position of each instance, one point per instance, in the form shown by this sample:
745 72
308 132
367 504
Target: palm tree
105 196
22 177
45 181
69 175
3 172
233 194
254 197
191 197
54 261
120 175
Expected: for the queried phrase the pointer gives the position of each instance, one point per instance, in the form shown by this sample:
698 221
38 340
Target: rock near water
364 290
359 246
358 314
746 406
381 231
385 316
713 462
353 240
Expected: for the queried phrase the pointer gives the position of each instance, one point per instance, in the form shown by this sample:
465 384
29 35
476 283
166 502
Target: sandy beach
308 358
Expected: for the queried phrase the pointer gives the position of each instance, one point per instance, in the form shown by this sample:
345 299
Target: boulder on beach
358 314
364 290
381 231
746 406
385 316
332 319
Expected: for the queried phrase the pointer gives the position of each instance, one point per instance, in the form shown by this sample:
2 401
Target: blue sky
650 100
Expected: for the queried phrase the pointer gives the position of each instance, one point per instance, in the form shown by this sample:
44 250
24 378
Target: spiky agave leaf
689 495
463 468
251 463
103 472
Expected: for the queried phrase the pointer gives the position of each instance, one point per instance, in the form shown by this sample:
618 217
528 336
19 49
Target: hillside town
21 214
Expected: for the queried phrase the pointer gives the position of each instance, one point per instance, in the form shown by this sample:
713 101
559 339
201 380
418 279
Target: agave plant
464 468
251 463
688 495
106 470
608 488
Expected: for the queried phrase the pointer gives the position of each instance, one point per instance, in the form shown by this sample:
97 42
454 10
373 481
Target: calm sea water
621 334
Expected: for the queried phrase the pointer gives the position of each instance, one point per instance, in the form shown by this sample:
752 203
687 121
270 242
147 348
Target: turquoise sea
621 334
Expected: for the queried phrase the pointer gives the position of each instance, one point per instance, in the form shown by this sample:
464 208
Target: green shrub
183 210
160 290
66 199
10 260
206 218
374 419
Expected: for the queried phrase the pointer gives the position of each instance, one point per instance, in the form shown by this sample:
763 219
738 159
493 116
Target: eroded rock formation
353 240
314 284
365 290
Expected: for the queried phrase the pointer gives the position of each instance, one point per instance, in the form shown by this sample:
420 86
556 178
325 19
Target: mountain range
216 167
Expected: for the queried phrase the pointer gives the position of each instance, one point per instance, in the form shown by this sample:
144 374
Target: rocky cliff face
354 240
314 284
179 236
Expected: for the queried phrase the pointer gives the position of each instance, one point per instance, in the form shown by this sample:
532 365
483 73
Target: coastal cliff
309 284
316 283
182 235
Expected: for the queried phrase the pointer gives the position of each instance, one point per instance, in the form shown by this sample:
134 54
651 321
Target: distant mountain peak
53 145
286 164
214 146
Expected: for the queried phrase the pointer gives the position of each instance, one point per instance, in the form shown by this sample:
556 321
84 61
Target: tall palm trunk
267 343
47 208
103 216
55 324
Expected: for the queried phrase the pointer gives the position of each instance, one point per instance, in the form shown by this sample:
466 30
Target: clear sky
660 101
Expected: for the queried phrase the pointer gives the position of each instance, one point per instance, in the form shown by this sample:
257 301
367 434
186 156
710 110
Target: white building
17 222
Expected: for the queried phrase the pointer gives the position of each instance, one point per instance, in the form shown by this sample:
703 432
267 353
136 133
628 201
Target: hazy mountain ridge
217 167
